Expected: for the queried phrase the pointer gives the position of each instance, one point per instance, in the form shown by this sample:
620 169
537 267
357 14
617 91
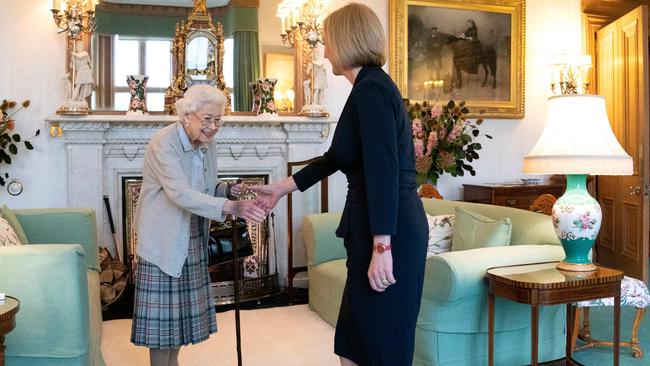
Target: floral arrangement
443 140
8 140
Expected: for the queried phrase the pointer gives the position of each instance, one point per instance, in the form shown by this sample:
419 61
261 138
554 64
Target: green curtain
246 67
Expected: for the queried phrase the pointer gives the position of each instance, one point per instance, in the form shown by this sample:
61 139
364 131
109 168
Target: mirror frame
301 50
199 24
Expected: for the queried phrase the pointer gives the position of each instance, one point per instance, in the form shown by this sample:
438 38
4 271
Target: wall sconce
75 17
302 21
569 74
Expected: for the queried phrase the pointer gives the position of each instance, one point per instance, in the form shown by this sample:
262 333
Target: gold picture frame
425 64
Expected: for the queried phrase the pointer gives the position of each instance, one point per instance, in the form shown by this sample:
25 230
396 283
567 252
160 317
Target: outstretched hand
249 210
267 196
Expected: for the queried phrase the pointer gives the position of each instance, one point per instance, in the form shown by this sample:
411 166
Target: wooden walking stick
236 270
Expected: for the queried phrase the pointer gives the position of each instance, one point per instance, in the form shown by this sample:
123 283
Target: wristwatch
381 247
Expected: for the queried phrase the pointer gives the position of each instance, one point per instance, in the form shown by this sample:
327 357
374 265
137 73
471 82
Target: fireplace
104 150
257 280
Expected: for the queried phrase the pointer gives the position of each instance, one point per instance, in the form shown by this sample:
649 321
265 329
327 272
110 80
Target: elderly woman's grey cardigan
167 200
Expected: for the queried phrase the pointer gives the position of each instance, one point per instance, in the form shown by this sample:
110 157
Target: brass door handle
635 190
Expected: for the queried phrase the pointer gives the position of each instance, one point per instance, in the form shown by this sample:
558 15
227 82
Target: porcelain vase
576 218
138 88
266 88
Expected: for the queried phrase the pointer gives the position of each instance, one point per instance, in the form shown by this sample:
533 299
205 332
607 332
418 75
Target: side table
542 284
8 312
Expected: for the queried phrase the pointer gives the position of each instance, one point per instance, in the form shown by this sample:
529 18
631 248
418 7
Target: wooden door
622 78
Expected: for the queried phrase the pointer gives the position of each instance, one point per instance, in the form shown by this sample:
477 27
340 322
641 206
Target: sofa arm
318 232
62 225
453 276
50 281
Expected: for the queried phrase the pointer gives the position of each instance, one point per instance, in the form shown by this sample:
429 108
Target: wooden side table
542 284
510 195
8 312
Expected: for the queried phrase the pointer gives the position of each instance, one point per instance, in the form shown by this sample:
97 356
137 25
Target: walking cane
235 263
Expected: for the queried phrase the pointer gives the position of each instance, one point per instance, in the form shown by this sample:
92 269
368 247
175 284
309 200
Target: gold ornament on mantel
198 24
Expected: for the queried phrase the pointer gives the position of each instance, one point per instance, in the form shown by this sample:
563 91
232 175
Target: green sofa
56 279
452 324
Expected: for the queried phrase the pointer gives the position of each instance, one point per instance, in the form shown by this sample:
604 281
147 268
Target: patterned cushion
7 235
634 293
441 230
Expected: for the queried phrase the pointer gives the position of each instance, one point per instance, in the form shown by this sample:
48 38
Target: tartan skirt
171 312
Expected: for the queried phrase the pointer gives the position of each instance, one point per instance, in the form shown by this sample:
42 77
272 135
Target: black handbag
220 242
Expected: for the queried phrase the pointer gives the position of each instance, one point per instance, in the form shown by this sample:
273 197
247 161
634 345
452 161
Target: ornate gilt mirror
138 37
197 56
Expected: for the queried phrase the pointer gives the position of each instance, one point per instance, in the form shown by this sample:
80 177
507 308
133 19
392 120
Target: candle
92 5
56 4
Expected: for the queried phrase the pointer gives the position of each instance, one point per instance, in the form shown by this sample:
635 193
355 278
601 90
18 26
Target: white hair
197 96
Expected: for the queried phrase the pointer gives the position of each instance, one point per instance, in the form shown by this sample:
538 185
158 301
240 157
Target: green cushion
473 230
11 218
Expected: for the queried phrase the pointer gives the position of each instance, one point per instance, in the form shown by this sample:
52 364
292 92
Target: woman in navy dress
383 225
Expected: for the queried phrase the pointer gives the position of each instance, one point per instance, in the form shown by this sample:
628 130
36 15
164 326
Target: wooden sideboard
511 195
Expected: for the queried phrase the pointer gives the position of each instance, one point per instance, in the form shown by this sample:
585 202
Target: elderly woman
383 225
180 194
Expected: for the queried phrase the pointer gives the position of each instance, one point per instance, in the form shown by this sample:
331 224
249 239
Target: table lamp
577 141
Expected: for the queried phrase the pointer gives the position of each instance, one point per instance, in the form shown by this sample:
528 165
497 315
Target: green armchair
56 279
452 324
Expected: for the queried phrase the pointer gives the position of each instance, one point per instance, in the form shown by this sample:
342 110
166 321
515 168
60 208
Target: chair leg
635 344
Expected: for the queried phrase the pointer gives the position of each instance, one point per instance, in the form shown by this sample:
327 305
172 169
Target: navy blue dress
373 146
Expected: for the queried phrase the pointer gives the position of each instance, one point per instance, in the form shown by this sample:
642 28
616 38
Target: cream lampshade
577 141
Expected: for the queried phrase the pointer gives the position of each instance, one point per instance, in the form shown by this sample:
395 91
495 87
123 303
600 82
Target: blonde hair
355 37
198 96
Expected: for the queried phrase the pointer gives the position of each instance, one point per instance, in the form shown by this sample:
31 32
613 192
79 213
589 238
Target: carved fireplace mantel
102 149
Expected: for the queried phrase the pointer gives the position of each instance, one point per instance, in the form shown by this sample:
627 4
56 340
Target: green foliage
10 141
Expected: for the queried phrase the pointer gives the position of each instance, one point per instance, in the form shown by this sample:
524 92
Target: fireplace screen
256 265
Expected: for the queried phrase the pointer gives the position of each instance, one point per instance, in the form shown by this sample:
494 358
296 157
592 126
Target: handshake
253 211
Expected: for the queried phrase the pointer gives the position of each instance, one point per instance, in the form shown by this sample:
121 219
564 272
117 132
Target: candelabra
74 18
568 74
301 22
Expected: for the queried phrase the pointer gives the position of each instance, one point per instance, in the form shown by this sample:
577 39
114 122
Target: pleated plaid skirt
171 312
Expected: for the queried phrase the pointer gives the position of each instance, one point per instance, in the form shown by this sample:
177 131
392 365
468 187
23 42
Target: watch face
15 187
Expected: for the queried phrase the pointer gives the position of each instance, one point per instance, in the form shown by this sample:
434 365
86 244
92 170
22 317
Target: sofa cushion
473 230
7 234
7 214
441 229
527 227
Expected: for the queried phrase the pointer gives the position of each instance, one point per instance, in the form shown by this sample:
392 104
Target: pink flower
432 143
416 126
455 132
11 124
419 148
270 106
436 111
265 86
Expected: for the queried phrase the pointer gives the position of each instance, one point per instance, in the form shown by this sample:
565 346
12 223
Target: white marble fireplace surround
101 149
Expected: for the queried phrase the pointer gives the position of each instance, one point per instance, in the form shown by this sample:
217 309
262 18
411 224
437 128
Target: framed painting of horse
469 50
